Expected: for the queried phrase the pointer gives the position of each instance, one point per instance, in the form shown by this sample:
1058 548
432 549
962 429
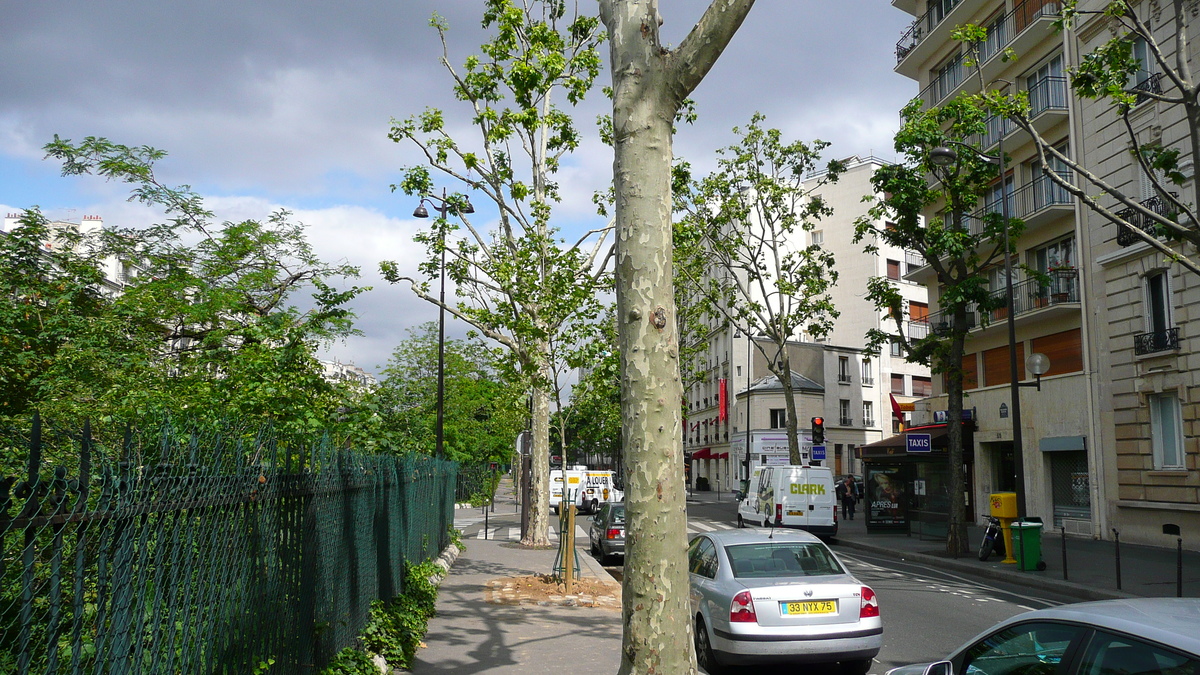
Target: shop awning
898 445
720 455
706 453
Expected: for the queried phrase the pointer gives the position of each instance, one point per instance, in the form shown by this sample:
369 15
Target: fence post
1063 536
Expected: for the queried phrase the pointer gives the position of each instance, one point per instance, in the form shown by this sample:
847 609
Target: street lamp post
1038 363
443 207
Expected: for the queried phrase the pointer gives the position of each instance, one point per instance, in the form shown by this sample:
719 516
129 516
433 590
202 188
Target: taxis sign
919 443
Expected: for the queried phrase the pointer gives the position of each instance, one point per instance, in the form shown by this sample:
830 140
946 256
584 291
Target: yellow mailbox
1004 507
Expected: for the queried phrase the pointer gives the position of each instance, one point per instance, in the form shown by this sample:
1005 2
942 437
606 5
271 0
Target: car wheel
705 658
594 550
595 506
859 667
741 523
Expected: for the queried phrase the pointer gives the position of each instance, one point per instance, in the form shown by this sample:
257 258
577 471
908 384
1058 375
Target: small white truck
590 488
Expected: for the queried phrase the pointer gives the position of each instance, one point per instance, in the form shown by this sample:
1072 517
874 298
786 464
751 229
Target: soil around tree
546 590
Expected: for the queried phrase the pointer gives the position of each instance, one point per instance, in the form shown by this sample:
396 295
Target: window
991 199
1165 430
844 412
843 369
1024 648
868 378
702 557
918 311
1158 305
1120 654
1146 66
817 237
896 348
922 386
778 418
893 270
868 414
898 384
1046 86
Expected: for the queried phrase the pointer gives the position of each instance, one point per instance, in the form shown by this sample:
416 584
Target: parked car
1137 636
607 532
778 596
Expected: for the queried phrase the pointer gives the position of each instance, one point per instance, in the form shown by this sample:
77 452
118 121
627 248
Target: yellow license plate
815 607
795 513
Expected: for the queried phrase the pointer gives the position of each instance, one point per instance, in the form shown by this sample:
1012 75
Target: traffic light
818 431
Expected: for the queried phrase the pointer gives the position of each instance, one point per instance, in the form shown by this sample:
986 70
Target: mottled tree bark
649 85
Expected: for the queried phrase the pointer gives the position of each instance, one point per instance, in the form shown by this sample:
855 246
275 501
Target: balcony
1047 107
1034 202
1147 85
1125 235
941 323
845 422
1031 294
1159 341
1028 23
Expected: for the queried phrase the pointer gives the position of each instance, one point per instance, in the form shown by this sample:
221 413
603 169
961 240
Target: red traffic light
818 421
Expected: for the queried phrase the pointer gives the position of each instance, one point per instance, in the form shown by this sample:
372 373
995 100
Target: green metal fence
203 553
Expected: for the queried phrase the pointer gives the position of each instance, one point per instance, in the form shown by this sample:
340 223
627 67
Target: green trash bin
1027 546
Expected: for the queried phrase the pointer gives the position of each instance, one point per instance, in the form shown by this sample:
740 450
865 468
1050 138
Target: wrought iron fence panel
174 552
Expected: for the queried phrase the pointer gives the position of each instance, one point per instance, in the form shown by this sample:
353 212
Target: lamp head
421 211
1038 364
943 156
467 208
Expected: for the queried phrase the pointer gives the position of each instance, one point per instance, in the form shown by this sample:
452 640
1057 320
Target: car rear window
618 515
782 559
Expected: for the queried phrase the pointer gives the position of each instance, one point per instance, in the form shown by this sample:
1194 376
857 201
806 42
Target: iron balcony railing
1151 84
1031 294
924 24
918 328
1030 198
942 322
1028 295
846 422
1157 341
1125 235
1001 34
1046 94
913 260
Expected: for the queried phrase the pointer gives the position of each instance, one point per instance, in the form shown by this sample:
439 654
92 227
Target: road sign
818 452
919 443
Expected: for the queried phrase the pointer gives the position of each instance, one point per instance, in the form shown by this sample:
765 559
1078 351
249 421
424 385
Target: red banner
723 403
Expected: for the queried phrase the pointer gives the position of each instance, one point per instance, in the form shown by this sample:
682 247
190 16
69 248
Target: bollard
1172 529
1063 534
485 521
1117 542
1179 570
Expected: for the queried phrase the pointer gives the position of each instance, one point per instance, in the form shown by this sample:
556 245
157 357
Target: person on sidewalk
846 492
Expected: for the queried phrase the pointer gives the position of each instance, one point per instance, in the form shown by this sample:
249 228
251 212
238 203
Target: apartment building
738 401
1110 437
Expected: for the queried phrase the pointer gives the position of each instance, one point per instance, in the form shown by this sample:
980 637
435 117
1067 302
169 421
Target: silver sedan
1136 636
778 596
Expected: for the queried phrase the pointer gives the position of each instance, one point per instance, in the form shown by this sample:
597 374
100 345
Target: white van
791 496
590 488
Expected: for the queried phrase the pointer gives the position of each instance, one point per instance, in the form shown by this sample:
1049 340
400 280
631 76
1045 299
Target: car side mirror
739 495
940 668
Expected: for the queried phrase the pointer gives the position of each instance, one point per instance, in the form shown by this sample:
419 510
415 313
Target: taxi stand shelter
908 491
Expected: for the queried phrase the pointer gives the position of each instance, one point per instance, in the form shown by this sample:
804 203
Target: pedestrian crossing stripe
581 535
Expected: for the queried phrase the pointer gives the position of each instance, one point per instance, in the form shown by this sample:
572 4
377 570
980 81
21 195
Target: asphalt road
927 612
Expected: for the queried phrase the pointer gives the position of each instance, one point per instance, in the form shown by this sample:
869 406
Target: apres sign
919 443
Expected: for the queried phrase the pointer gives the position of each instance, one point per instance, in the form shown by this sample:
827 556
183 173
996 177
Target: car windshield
782 559
618 515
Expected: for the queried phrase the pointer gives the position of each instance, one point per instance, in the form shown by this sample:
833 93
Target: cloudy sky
271 104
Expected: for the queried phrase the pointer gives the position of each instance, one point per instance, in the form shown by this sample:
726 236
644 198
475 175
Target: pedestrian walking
847 492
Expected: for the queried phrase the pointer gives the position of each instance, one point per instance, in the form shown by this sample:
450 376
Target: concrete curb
987 571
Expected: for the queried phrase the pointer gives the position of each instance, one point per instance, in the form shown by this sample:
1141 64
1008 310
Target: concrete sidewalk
471 635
